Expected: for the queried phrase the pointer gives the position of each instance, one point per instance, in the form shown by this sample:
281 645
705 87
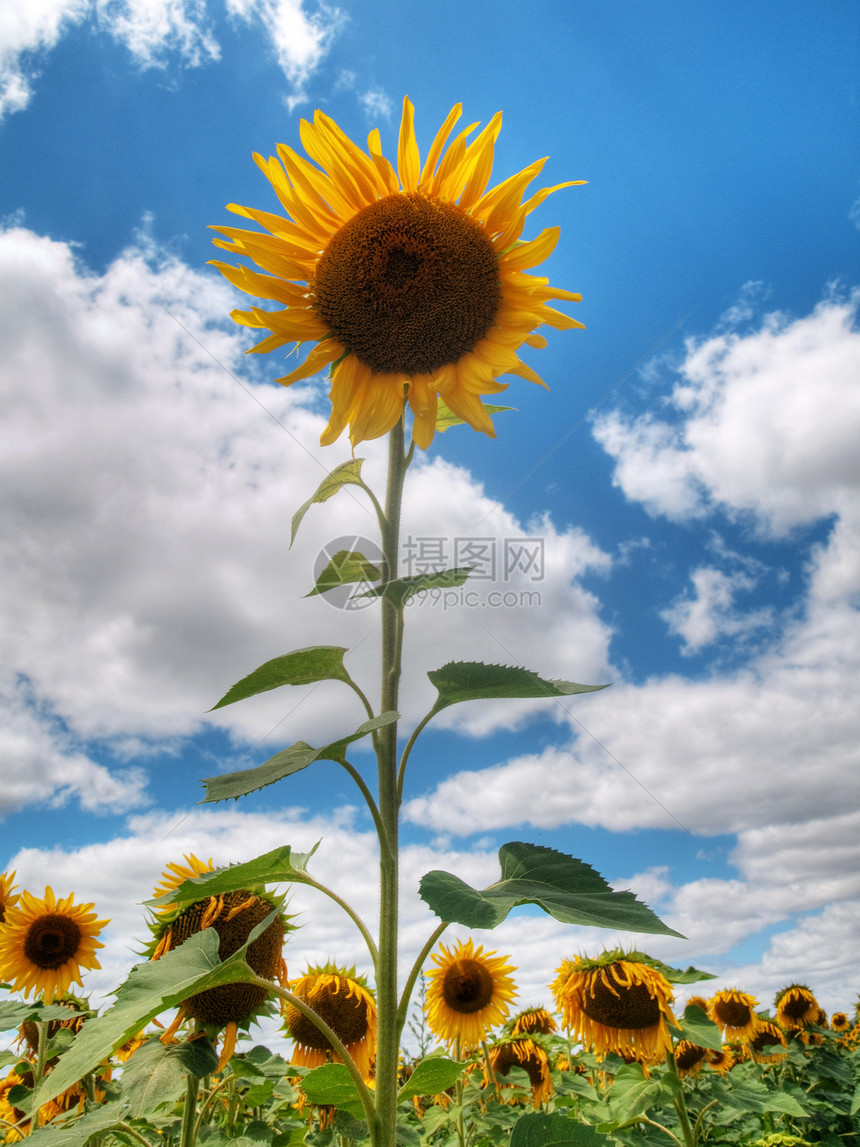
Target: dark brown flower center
467 986
537 1020
52 940
767 1037
687 1055
732 1013
345 1014
408 284
518 1055
632 1007
797 1004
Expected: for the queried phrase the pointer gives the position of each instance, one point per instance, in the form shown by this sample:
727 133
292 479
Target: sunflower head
7 897
468 994
796 1007
722 1060
79 1013
44 944
532 1020
769 1044
233 915
840 1022
412 284
697 1002
689 1057
531 1057
345 1003
616 1003
176 874
734 1012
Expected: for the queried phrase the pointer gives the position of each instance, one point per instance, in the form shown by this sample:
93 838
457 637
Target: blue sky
690 477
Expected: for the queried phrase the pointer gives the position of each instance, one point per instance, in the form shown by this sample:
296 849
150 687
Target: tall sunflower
734 1012
468 993
345 1003
44 944
7 899
617 1003
410 283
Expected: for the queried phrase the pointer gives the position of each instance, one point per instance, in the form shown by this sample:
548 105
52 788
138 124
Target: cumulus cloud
376 104
156 31
711 612
26 32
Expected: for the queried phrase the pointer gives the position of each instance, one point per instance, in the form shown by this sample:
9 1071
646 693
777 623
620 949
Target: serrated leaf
81 1131
555 1130
401 589
301 667
345 567
280 866
14 1012
153 1077
346 474
752 1097
566 888
632 1095
331 1083
150 988
473 681
285 763
699 1029
446 418
431 1077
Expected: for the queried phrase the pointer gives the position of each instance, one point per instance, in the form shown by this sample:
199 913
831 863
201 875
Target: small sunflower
616 1003
734 1012
345 1003
44 944
176 874
531 1057
468 993
697 1002
410 282
796 1007
840 1022
689 1057
79 1013
7 898
722 1060
533 1020
769 1044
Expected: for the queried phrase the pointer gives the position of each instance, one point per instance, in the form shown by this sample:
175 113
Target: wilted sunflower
689 1057
533 1020
769 1044
45 943
531 1057
176 874
7 899
233 915
796 1007
722 1060
840 1022
345 1003
734 1012
411 283
468 994
697 1002
618 1003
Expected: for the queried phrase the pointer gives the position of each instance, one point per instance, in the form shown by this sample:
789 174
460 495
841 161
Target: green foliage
400 590
301 667
279 866
347 474
538 1130
332 1084
344 568
473 681
431 1076
566 888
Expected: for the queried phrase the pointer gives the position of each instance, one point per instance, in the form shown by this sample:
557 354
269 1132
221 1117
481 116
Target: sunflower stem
492 1078
458 1091
189 1113
680 1104
401 776
406 995
351 913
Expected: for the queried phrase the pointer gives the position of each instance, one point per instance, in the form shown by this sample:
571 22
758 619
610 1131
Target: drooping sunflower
345 1003
531 1057
468 993
796 1007
411 283
734 1012
769 1044
44 944
7 898
617 1003
840 1022
689 1057
176 874
533 1020
722 1060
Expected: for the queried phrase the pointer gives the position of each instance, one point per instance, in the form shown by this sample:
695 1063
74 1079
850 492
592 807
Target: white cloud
155 30
376 104
711 613
26 31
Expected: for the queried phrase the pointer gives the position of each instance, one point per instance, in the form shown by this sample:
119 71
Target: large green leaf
699 1029
13 1013
632 1094
331 1083
151 988
473 681
280 866
345 567
750 1096
81 1131
568 889
401 589
301 667
156 1074
431 1077
346 474
285 763
556 1130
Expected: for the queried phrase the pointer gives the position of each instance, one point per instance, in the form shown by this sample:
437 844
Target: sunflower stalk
690 1136
189 1112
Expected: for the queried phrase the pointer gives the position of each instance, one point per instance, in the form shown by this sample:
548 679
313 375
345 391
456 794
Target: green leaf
285 763
556 1130
81 1131
401 589
13 1013
280 866
151 988
346 474
568 889
473 681
632 1094
346 566
301 667
155 1076
333 1084
752 1097
446 418
431 1077
699 1029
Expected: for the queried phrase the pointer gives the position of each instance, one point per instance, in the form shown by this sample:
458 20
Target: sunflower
533 1020
734 1012
410 282
796 1007
531 1057
616 1003
7 899
769 1044
176 874
345 1003
45 943
468 993
722 1060
697 1002
79 1012
840 1022
689 1057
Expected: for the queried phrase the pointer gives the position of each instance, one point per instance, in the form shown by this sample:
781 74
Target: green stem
368 708
366 793
387 1051
406 995
127 1129
680 1105
350 911
492 1079
403 760
189 1113
458 1091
